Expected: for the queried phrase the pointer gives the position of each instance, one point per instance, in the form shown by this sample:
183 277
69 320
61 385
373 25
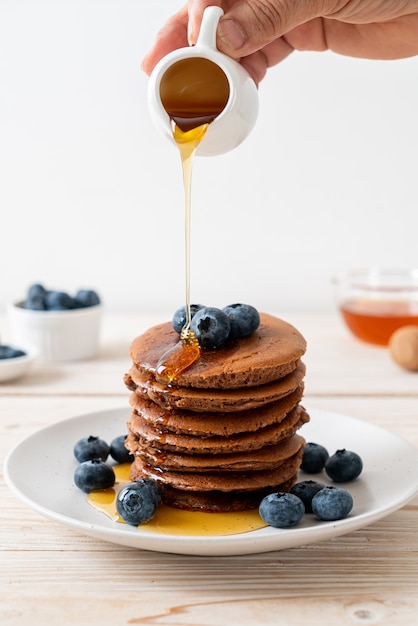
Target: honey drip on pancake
187 350
178 358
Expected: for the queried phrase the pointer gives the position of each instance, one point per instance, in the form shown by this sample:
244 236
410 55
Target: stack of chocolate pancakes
224 432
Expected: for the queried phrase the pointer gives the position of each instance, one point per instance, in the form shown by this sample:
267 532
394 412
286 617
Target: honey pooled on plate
171 521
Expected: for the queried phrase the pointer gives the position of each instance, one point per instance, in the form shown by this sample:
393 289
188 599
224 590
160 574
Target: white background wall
91 195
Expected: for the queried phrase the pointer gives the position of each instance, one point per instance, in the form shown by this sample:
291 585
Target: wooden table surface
53 575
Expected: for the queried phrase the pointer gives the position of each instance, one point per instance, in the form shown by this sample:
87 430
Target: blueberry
314 458
91 447
137 502
35 298
36 291
94 474
344 466
306 490
58 301
180 316
332 503
156 489
16 353
119 452
281 509
244 319
86 297
7 352
211 327
34 304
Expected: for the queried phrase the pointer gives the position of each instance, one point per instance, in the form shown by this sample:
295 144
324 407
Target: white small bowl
16 367
71 335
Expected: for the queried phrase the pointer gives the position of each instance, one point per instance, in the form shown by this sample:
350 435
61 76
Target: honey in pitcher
194 91
375 321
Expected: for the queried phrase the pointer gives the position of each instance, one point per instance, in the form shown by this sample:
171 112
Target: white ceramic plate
40 471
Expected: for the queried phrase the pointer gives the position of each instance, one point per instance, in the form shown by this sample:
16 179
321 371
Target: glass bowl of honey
375 302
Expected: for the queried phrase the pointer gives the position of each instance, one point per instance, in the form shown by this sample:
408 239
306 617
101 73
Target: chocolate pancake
224 424
147 436
224 481
220 501
271 352
213 400
264 458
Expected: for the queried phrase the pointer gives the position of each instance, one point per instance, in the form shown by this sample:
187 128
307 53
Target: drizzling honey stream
194 92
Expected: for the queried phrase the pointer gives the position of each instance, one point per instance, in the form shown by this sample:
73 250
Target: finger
173 35
396 39
309 36
257 63
196 8
250 25
277 50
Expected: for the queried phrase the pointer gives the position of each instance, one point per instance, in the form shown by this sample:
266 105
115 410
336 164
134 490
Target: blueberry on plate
118 450
211 327
244 319
332 503
86 297
94 474
58 301
180 316
344 466
91 447
281 509
137 502
7 352
314 458
305 490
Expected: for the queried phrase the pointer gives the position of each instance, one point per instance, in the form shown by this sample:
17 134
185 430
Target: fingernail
191 40
231 34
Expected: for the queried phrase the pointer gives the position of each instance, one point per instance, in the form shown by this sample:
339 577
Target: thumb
250 25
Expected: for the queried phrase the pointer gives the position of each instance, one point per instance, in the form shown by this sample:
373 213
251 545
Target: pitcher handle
208 28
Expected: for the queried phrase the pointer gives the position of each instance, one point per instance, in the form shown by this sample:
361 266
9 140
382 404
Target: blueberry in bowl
14 362
8 352
38 298
58 325
85 298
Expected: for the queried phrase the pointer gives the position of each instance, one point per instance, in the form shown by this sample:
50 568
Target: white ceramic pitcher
236 120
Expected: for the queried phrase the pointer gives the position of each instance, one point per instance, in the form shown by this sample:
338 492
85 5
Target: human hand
261 33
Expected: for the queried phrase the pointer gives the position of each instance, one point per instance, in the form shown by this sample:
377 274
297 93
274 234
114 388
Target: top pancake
271 352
